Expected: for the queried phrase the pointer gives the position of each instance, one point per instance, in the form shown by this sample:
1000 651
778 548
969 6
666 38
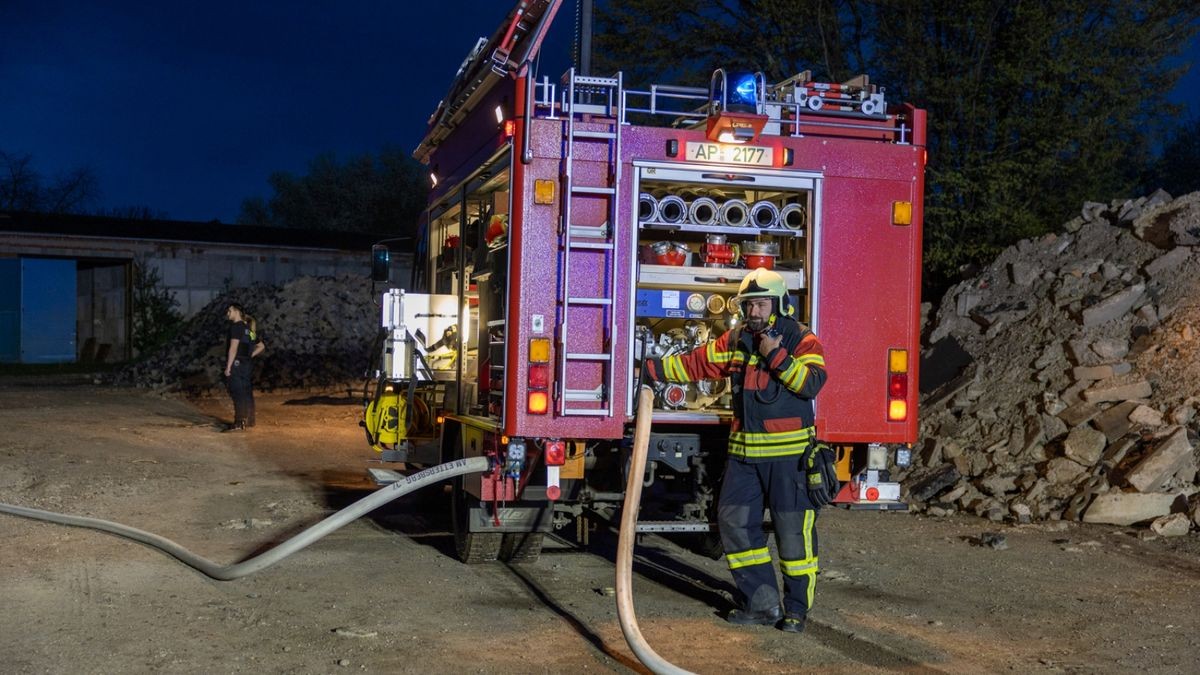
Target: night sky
187 107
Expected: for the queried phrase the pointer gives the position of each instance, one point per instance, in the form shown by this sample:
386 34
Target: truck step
579 356
674 526
384 476
591 245
583 133
589 301
593 190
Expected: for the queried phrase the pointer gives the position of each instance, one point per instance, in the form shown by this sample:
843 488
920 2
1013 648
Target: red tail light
897 408
556 453
539 402
539 376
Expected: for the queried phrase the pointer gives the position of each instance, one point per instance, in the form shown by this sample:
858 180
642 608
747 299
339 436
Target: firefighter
777 366
244 344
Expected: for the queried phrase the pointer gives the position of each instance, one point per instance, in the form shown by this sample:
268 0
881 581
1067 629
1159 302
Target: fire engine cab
576 227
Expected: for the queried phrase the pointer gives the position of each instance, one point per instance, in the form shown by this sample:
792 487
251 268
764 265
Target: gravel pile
318 332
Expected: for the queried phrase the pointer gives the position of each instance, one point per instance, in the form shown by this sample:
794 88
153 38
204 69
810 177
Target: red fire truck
576 227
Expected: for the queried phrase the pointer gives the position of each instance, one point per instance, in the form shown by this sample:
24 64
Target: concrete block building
67 282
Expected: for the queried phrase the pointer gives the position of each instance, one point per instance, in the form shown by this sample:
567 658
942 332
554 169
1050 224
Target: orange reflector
510 128
441 420
897 410
556 453
539 350
902 213
898 360
504 440
539 402
543 191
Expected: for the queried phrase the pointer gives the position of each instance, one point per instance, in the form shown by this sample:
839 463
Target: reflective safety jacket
772 395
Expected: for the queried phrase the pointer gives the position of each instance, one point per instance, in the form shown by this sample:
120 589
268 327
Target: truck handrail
686 106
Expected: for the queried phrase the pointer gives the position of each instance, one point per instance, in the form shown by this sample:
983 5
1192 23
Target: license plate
728 153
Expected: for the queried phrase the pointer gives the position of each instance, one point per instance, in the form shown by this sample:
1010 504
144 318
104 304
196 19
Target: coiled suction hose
262 561
629 512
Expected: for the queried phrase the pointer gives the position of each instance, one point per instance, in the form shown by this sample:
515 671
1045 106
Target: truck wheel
521 547
472 547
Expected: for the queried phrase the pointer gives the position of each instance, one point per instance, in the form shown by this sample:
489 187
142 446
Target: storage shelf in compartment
717 278
720 229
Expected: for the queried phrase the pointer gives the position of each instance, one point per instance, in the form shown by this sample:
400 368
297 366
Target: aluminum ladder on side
580 97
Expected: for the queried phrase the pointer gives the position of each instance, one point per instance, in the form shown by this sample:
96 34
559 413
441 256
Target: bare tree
23 189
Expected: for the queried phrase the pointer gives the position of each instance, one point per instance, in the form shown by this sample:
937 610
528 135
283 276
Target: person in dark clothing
776 366
244 344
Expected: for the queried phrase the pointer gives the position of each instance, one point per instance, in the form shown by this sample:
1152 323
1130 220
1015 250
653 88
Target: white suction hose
629 513
356 510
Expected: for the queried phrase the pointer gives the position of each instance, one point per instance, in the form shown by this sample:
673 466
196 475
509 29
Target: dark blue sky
187 107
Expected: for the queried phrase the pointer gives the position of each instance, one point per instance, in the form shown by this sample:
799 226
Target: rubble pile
318 332
1080 376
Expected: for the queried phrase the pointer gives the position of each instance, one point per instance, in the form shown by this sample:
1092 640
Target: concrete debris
318 332
993 540
1174 525
1076 395
1128 508
1162 462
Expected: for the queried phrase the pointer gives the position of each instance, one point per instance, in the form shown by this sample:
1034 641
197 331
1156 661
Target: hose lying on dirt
629 513
264 560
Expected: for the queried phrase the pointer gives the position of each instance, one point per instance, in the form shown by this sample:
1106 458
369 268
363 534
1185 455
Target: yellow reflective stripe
757 556
796 568
794 371
774 437
810 516
673 369
811 360
714 356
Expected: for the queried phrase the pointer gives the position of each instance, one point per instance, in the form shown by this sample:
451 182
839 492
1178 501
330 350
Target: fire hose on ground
629 513
624 566
264 560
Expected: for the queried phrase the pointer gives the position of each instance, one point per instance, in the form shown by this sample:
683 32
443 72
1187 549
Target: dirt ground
384 594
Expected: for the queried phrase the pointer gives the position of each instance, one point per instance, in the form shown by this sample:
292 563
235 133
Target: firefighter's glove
822 482
652 373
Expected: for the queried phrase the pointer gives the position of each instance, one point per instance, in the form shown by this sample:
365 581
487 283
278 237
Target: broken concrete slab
1146 416
1101 372
1128 508
1084 445
1161 462
1080 413
939 480
1119 388
1114 422
1063 471
1173 525
1168 261
1024 273
1114 306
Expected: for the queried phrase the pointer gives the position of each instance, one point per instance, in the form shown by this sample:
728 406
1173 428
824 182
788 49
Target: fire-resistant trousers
241 391
746 490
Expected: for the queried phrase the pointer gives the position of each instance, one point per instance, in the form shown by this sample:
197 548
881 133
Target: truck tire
471 547
523 547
